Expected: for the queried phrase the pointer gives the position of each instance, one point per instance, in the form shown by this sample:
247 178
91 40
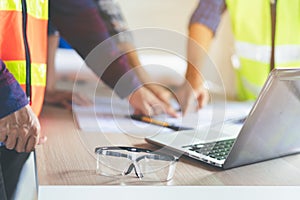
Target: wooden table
67 160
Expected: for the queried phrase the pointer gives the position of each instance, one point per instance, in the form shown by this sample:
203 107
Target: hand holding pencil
156 122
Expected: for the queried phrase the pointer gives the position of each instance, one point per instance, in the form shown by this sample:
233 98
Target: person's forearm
198 45
134 61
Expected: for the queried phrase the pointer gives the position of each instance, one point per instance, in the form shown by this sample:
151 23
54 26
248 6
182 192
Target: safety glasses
137 162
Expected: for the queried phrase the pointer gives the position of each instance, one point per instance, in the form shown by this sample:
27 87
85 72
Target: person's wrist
193 87
195 82
134 93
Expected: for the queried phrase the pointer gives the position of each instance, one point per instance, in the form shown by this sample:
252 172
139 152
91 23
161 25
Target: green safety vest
251 25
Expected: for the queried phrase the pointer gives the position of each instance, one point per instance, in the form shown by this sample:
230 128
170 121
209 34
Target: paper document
110 115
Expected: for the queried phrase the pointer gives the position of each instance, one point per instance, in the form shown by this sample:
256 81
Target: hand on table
187 97
160 92
21 130
145 102
64 99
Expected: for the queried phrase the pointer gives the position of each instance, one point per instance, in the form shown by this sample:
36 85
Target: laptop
271 129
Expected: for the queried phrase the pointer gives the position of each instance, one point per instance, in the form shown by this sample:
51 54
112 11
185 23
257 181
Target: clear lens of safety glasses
137 162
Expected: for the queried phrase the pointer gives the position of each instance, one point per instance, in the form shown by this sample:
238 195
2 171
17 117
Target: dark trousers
11 164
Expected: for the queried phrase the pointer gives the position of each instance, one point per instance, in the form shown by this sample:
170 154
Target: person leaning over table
251 25
89 31
112 16
22 48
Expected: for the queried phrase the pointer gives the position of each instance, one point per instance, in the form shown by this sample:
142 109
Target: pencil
150 120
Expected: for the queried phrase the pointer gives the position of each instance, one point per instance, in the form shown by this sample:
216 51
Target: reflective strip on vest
262 53
18 69
37 9
253 89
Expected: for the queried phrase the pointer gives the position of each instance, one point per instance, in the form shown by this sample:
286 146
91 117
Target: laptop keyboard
218 150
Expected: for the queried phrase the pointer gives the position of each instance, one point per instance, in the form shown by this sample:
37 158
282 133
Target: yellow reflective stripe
262 53
11 5
252 88
18 69
38 9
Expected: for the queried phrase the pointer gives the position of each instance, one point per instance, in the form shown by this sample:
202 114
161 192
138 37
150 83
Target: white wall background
170 14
